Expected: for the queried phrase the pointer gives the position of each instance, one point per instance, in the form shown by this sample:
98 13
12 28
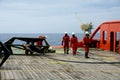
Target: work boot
67 52
86 55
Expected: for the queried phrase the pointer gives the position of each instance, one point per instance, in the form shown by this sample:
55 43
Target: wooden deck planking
20 67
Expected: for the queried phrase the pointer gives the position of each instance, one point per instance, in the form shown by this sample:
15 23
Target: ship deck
102 65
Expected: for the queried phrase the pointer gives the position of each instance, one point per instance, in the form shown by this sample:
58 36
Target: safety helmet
65 32
86 32
46 36
73 33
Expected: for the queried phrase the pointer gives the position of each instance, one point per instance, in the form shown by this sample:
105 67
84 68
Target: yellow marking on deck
109 58
59 52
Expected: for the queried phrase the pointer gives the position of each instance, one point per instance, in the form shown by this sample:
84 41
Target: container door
111 41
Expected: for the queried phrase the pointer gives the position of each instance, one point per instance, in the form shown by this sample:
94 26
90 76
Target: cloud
55 15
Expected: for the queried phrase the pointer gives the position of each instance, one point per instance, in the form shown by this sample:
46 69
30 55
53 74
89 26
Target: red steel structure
109 36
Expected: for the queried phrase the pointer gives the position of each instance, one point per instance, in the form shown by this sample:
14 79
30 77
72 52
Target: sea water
54 39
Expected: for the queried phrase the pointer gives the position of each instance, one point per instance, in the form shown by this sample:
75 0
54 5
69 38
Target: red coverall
65 43
74 44
86 45
39 43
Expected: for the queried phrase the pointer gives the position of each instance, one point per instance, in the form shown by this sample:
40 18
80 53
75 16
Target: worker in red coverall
86 43
74 43
65 43
39 43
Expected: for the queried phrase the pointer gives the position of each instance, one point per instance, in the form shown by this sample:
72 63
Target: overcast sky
55 16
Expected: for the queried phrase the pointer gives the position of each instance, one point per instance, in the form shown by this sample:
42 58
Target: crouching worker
86 43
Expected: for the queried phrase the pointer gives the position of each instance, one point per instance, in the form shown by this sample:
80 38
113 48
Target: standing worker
86 43
74 43
65 43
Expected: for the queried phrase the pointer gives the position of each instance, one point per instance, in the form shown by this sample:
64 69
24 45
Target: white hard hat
45 36
86 32
73 33
65 32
